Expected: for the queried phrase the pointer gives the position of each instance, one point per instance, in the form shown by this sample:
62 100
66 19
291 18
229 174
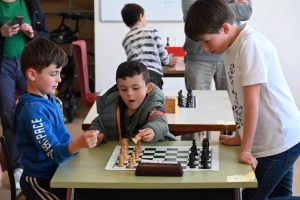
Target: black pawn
180 102
167 42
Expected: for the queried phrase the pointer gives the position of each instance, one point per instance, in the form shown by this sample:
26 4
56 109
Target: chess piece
137 154
176 43
194 147
133 158
204 161
130 165
180 101
121 160
137 138
168 44
125 156
192 160
189 99
205 143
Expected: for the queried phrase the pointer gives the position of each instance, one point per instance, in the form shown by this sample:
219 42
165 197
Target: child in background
42 137
133 105
144 44
266 116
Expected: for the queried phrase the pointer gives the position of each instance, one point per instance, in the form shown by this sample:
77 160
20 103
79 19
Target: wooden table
177 71
213 113
87 170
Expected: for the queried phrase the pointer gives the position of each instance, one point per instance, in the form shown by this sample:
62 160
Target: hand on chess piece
147 134
87 140
100 137
230 140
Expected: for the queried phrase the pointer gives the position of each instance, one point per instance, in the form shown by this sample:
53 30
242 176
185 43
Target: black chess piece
205 143
189 99
192 160
167 42
194 148
180 102
204 162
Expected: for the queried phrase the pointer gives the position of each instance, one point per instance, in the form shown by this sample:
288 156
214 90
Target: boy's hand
8 31
172 60
88 139
27 29
147 134
230 140
247 158
100 137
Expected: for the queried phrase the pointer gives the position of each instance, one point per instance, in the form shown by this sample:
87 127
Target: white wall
277 20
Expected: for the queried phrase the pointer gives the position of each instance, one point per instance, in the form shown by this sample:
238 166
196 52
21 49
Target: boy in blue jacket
37 121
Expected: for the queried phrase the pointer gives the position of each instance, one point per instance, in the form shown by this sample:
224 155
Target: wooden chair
81 65
7 166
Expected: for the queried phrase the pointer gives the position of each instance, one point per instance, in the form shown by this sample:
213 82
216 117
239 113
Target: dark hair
207 17
132 68
40 53
130 13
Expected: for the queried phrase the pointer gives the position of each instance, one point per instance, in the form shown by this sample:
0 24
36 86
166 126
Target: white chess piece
176 43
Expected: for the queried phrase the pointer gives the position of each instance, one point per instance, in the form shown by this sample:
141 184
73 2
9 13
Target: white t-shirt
252 59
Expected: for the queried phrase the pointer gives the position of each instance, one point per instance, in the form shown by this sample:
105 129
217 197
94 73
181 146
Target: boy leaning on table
37 121
134 105
266 116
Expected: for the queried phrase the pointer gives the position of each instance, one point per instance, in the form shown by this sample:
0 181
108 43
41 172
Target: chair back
81 65
7 166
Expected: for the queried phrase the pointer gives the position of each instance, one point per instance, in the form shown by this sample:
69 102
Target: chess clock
171 105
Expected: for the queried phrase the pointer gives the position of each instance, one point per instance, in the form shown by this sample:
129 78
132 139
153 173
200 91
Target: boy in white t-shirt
267 119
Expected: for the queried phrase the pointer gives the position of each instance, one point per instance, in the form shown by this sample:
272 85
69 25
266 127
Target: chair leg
70 193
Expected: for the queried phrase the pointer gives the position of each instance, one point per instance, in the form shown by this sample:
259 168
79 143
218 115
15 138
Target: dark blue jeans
275 176
11 78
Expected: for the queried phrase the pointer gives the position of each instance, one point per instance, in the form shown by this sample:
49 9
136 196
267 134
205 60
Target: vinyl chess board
167 153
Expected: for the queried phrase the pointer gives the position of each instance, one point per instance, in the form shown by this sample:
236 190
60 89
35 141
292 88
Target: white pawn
133 158
176 43
130 164
121 160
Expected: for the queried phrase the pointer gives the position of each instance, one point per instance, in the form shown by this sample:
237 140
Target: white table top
212 112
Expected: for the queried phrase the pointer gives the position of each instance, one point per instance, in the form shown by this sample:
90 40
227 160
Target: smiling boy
134 105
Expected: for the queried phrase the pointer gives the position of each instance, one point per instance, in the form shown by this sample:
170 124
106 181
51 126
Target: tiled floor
75 130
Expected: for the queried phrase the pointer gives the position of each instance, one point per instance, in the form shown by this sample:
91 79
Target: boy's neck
236 30
136 24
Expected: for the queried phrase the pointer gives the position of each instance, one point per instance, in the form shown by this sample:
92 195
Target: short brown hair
130 13
40 53
207 17
132 68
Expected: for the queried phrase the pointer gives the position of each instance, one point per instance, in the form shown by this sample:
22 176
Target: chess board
167 153
184 99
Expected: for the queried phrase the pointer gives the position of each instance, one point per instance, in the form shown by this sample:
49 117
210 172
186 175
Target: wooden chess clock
171 105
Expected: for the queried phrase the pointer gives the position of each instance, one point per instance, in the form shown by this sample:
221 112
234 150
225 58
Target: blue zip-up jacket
41 135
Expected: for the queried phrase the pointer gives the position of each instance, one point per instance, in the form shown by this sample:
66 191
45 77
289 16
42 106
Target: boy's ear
140 17
226 28
31 74
149 87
